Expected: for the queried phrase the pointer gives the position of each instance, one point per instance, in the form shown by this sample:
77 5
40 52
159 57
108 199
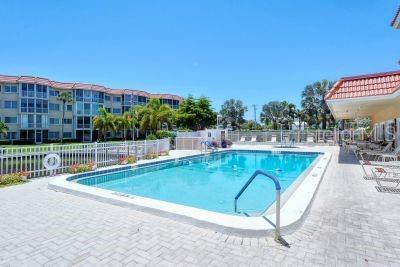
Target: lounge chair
254 139
243 139
375 153
382 175
390 156
310 139
389 164
273 139
361 148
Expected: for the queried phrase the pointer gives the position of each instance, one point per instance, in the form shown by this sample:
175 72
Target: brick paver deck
350 223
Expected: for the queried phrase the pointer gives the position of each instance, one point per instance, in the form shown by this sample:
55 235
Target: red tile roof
71 86
376 84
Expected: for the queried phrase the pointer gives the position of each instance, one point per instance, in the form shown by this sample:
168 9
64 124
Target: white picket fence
188 143
30 159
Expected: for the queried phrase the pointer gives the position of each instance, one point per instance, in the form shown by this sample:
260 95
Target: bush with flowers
127 160
83 167
13 178
163 153
150 156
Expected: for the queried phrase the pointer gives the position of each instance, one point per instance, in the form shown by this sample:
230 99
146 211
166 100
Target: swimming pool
210 182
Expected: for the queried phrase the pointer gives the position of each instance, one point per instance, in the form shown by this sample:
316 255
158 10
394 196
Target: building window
107 98
28 90
11 136
42 106
108 110
142 100
54 135
69 107
41 121
116 111
54 107
27 105
54 121
116 99
95 108
67 121
28 121
10 104
67 135
98 97
83 122
11 88
53 92
10 120
41 91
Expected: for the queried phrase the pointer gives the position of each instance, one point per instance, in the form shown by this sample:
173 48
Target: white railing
30 159
188 143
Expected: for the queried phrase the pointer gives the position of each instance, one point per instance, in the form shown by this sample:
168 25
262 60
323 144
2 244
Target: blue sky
256 51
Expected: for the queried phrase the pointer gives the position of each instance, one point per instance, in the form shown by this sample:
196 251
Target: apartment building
31 109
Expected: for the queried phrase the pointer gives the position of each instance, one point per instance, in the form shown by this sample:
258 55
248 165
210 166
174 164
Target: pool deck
349 223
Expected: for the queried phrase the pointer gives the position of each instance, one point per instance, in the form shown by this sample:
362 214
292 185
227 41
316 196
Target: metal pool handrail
278 199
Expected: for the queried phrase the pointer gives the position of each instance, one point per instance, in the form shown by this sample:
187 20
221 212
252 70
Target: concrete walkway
350 223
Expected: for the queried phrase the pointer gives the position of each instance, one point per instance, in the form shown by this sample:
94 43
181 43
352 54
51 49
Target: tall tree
3 128
321 89
289 113
309 104
195 114
273 112
232 112
104 122
314 104
154 115
64 97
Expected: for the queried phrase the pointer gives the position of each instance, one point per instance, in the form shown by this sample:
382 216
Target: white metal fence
30 159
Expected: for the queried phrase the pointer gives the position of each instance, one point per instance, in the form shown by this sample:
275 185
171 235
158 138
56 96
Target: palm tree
126 121
104 122
289 113
314 104
65 97
154 115
301 116
309 103
321 89
3 128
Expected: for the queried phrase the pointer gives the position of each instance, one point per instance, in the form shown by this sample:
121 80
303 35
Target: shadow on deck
346 157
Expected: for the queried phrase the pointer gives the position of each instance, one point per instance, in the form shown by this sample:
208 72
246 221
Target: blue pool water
210 182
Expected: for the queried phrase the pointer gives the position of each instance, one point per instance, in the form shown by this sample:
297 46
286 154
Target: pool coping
294 209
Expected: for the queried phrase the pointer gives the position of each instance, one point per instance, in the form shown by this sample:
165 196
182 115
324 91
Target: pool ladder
278 237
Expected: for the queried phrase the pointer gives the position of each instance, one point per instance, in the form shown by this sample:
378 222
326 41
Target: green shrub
165 134
78 168
131 159
150 156
23 142
2 143
13 178
151 137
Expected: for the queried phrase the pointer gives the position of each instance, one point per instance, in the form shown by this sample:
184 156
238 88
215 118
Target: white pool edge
293 211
